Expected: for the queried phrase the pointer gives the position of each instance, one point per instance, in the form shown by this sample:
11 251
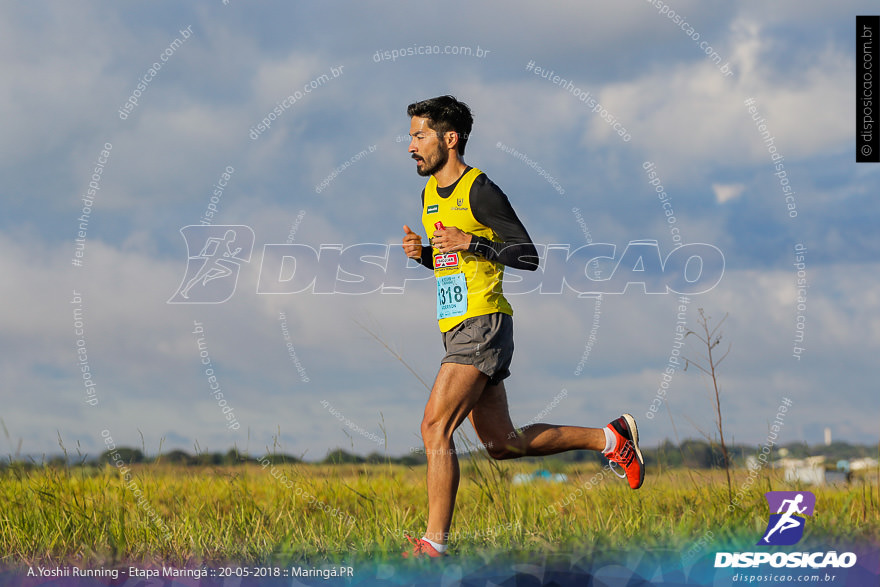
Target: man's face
426 147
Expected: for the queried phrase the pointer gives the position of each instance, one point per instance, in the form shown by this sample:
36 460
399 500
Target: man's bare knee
502 451
435 431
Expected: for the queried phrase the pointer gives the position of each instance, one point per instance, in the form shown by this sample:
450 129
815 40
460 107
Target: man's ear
451 138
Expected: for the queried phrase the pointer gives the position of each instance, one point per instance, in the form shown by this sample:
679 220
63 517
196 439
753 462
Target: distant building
863 464
810 470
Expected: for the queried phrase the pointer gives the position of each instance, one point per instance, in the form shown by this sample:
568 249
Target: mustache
416 157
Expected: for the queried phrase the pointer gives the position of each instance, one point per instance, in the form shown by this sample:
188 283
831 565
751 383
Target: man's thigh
456 390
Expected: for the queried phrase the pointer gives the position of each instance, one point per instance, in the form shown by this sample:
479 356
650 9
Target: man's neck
450 172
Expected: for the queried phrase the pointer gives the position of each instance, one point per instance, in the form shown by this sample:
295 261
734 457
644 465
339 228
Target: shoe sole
634 434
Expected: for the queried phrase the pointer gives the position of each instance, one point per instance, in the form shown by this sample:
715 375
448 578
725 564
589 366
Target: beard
432 164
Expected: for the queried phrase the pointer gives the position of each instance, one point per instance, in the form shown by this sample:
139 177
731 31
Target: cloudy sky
310 372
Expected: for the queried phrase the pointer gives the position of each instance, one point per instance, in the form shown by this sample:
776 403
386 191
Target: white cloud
726 192
687 114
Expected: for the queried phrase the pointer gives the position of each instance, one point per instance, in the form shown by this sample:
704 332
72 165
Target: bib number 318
451 295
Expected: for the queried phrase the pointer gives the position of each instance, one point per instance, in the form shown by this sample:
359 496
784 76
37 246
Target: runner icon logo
786 524
212 274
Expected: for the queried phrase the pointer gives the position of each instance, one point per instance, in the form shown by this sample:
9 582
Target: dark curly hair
445 114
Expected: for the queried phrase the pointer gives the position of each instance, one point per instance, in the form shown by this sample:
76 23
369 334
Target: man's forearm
515 255
427 258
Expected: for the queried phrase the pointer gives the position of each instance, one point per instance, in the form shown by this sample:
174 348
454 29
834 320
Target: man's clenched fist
412 243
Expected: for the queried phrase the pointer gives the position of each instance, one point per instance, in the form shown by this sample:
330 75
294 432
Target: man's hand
412 243
450 239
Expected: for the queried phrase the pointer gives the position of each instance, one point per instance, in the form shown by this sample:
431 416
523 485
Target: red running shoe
627 454
421 548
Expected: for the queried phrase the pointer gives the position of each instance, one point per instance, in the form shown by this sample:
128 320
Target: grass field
312 513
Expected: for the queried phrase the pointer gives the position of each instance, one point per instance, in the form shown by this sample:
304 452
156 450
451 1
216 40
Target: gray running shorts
486 342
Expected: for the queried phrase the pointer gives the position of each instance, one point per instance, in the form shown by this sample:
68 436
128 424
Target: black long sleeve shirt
490 207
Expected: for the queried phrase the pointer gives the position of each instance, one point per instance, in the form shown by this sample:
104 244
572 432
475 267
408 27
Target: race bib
451 295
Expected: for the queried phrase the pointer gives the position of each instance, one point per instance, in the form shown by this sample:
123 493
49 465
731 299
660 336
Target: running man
474 234
214 264
787 521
